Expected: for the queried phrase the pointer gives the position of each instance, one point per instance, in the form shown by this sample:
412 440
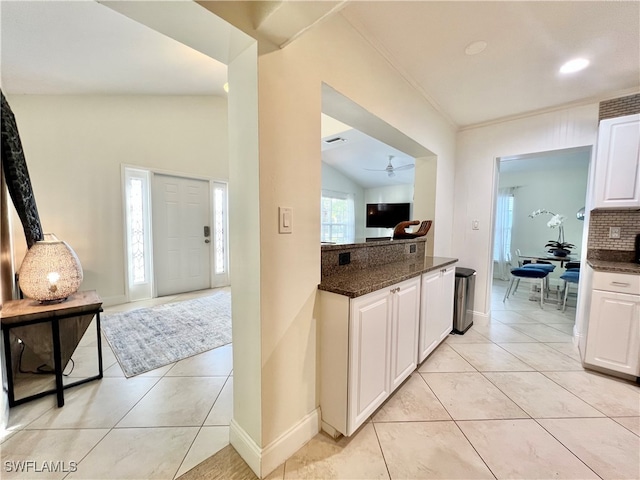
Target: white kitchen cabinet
404 331
369 355
436 309
617 169
613 336
368 347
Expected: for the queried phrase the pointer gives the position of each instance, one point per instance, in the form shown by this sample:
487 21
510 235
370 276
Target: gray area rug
149 338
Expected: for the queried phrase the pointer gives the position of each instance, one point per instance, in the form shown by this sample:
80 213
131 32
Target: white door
404 343
429 306
445 321
617 179
369 342
613 340
181 234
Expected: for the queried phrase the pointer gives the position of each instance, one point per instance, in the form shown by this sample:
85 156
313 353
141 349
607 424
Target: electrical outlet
344 258
614 232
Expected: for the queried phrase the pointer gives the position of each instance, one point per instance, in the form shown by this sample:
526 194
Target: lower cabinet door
613 339
404 338
436 309
445 318
429 307
369 356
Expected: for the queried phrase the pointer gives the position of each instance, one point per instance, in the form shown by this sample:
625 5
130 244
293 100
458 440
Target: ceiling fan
391 169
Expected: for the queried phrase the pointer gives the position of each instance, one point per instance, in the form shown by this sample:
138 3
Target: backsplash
602 220
370 254
619 107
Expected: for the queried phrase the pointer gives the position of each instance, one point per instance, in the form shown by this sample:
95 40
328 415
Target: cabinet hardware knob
621 284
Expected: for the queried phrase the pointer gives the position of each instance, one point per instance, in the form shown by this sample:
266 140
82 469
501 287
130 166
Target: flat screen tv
387 215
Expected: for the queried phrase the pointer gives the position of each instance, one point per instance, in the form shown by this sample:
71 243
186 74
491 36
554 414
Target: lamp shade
50 271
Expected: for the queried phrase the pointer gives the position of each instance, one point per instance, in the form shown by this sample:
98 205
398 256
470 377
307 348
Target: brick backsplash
619 107
601 220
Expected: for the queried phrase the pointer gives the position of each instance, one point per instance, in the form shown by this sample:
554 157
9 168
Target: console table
82 306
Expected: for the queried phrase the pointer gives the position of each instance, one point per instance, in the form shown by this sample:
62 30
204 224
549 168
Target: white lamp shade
50 271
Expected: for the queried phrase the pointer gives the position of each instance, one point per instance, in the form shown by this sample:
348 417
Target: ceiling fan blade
404 167
376 169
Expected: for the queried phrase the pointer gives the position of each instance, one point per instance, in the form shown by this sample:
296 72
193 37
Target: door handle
207 231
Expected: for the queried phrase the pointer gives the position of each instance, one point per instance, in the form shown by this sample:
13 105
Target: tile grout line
474 448
384 459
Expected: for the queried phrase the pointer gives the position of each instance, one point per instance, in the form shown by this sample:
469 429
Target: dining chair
569 278
527 272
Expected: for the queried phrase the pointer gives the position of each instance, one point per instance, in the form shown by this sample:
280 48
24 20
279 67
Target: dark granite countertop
356 283
617 261
616 267
363 244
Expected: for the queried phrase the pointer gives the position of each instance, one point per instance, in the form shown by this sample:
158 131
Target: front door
181 234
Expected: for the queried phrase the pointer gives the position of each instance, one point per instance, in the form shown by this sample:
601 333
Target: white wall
290 175
333 179
475 180
390 194
75 146
561 191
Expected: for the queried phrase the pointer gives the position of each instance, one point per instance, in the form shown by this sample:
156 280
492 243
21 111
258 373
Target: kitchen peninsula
383 307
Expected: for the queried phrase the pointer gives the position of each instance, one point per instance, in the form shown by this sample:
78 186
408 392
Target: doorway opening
176 233
533 193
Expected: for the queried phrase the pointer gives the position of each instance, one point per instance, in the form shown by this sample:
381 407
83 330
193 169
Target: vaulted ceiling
477 62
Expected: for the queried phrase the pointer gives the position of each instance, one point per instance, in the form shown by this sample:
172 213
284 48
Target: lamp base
52 302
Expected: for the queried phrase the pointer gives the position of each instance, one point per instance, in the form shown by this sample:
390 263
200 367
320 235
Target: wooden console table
22 313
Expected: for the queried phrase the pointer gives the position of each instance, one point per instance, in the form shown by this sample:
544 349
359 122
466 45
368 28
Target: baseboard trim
290 442
115 300
481 318
265 460
245 446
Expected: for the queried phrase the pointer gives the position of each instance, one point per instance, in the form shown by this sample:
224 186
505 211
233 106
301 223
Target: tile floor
156 425
506 400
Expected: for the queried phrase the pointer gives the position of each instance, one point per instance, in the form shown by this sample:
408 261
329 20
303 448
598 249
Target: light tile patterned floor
506 400
156 425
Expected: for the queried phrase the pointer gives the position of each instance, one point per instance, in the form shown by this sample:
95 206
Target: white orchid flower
556 221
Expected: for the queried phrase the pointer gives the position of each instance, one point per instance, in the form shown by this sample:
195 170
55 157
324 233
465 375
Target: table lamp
50 271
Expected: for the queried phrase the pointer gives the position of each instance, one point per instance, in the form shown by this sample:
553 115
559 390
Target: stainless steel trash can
463 299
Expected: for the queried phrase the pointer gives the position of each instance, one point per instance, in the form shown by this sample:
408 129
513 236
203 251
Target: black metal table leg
57 360
99 345
8 358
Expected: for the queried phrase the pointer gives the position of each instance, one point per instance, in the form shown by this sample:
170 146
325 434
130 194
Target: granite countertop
356 283
617 261
362 244
616 267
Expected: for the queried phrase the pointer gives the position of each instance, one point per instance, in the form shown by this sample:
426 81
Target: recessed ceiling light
574 65
475 47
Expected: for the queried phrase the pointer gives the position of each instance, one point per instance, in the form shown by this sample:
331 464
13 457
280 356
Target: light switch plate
285 220
475 225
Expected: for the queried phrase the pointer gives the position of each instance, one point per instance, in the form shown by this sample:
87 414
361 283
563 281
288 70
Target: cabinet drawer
616 282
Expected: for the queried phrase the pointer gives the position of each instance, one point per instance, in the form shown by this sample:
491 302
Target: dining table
534 257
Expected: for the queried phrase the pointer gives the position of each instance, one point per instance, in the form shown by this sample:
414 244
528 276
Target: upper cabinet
617 174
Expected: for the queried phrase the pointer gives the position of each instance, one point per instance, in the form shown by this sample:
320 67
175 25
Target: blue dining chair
527 272
547 267
569 277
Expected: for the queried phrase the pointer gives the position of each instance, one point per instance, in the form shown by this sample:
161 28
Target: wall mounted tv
387 215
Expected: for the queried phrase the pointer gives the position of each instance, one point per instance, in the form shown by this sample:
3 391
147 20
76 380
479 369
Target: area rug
150 338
